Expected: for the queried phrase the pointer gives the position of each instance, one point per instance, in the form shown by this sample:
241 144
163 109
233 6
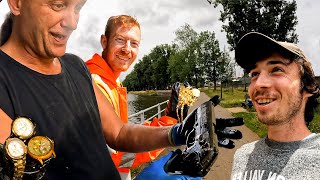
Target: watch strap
19 166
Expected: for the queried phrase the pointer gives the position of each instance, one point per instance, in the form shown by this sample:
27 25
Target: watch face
40 146
15 147
23 127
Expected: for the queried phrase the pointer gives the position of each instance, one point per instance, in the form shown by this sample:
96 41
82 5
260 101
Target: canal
137 103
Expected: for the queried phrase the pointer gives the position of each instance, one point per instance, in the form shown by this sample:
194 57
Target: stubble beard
285 113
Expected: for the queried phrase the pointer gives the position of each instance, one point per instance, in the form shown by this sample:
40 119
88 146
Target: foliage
151 72
274 18
226 68
193 57
198 58
184 65
210 56
315 123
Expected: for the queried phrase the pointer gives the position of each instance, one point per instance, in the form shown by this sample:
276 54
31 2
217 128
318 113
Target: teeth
264 101
124 59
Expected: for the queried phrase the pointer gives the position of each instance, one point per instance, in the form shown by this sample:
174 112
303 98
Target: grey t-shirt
270 160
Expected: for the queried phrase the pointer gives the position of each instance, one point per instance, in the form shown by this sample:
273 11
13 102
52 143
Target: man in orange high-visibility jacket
120 45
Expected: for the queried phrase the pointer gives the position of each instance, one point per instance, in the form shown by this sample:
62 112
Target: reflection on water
137 103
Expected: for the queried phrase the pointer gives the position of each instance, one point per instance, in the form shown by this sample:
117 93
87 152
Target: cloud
308 30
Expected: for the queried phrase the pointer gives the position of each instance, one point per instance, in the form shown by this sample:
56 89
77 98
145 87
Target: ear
103 41
15 6
306 94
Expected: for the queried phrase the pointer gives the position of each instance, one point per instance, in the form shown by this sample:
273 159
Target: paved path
221 170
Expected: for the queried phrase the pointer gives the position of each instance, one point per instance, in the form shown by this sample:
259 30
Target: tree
274 18
152 71
183 65
160 55
225 69
209 53
131 81
185 36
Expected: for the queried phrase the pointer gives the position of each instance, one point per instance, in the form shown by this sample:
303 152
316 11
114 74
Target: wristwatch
23 128
16 151
41 148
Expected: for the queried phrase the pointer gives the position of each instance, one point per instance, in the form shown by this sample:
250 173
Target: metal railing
141 113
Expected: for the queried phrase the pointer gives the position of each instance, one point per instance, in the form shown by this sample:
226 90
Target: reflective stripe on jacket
117 96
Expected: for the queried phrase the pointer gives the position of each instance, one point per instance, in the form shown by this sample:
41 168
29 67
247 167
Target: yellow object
41 148
187 96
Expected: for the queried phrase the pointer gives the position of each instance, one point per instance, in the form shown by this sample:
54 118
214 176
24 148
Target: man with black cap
284 92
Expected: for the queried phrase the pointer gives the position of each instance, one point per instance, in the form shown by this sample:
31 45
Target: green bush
315 123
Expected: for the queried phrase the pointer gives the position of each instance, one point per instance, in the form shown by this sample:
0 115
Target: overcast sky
159 19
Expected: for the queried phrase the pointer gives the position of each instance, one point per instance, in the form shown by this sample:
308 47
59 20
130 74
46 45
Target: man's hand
156 172
196 131
202 133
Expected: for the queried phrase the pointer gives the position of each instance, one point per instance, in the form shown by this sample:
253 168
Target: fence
141 113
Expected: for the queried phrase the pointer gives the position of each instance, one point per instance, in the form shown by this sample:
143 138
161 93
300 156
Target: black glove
171 109
202 133
196 131
225 134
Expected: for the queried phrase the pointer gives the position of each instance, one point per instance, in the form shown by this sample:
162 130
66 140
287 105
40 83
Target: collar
97 65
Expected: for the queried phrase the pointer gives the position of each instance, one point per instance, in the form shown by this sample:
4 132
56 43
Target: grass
148 92
251 121
315 123
234 97
230 97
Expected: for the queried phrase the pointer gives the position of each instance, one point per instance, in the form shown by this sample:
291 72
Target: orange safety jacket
117 96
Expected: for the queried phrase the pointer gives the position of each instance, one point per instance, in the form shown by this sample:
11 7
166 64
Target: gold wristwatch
16 151
23 128
41 148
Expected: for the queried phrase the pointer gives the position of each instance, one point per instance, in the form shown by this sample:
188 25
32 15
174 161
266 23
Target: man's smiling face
122 48
276 91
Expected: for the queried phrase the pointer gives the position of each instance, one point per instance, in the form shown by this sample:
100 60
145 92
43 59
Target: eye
253 74
58 6
277 69
120 40
135 44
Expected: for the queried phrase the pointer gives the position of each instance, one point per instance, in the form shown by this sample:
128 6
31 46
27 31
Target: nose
127 47
262 81
70 20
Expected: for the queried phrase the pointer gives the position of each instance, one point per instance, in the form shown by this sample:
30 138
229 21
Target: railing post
141 113
159 111
141 117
